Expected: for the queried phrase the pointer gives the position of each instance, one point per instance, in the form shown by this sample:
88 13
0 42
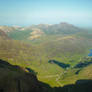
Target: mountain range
58 53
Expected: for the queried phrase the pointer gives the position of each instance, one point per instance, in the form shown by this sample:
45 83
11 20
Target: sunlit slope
68 50
47 51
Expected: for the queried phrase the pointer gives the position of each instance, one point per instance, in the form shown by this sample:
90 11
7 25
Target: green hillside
34 47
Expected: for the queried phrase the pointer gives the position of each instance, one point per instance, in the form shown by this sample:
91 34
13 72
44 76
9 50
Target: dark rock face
15 79
79 86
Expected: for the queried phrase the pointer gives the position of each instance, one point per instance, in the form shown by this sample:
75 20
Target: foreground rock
16 79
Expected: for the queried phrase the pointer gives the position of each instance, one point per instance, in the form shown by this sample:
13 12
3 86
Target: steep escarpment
17 79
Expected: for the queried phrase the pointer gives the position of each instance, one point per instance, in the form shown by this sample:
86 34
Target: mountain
62 28
39 31
7 28
35 46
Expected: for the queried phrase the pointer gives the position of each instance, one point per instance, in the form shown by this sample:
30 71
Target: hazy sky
27 12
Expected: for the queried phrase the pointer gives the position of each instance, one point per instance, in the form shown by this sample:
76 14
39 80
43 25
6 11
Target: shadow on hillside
62 65
22 81
3 63
83 64
15 79
77 72
31 70
79 86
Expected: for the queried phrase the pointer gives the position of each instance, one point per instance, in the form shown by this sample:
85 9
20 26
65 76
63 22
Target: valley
52 51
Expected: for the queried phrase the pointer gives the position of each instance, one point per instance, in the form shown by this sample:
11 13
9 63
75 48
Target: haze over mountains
36 31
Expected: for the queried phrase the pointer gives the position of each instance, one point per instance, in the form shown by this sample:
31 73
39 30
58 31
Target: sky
28 12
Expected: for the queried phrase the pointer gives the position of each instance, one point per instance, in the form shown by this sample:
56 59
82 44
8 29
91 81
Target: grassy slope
35 54
67 49
19 35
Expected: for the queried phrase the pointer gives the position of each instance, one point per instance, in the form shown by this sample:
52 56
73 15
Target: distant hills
3 34
37 31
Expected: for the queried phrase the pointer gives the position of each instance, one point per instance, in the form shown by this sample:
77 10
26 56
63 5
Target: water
90 54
